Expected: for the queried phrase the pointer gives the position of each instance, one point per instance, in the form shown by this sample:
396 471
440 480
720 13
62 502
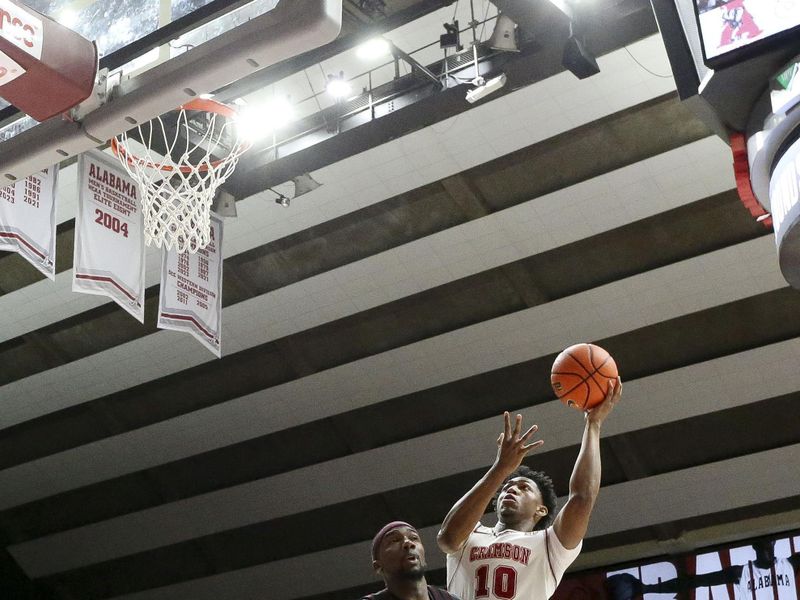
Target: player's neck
408 589
763 563
524 526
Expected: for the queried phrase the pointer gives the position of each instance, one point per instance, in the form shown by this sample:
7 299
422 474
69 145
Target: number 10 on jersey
503 580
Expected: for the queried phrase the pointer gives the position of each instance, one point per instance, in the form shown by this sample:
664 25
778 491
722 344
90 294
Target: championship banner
191 291
109 243
28 219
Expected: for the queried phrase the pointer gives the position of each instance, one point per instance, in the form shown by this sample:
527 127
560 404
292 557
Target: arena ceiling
374 331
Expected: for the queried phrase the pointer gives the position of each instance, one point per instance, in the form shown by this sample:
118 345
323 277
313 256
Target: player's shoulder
794 561
435 593
529 539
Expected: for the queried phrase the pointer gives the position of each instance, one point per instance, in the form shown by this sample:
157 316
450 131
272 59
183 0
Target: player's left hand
513 445
599 413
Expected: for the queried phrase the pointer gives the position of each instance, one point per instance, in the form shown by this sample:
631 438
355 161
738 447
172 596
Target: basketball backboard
45 67
125 31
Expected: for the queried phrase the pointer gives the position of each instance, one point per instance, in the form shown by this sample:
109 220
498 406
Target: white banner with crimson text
109 242
28 219
191 291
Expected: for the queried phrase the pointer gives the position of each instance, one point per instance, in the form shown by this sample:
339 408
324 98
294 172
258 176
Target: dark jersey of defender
433 594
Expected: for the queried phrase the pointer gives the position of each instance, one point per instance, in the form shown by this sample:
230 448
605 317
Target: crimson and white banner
109 242
28 219
191 291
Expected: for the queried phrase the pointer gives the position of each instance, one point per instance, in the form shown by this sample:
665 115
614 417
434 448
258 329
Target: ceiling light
373 49
337 86
68 18
281 198
484 88
257 121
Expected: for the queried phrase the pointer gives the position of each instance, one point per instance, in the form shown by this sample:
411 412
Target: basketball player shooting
526 553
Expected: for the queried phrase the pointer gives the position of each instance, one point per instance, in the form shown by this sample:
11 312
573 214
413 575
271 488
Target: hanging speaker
224 204
504 35
303 184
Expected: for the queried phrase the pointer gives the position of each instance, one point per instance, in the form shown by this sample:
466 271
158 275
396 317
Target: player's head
526 496
765 550
397 553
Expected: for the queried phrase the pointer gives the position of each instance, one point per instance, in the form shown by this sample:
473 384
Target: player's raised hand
512 446
601 411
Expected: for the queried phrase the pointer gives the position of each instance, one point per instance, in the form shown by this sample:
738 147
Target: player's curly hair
546 488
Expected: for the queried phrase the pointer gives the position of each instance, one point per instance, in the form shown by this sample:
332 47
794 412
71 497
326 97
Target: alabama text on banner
191 290
109 244
28 219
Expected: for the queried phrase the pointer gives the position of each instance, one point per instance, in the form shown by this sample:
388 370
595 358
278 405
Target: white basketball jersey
777 583
510 566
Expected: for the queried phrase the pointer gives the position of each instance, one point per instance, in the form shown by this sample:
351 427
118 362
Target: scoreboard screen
732 30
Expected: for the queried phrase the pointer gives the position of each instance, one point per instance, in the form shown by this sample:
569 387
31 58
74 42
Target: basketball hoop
174 160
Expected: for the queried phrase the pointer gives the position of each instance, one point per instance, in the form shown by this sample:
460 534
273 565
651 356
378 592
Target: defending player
398 556
523 556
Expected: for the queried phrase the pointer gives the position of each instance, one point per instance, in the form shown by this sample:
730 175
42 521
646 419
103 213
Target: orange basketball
580 375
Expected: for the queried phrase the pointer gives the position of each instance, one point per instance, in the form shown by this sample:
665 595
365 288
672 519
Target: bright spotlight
337 86
373 49
256 122
68 18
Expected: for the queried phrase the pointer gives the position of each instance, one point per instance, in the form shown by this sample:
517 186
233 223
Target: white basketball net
178 188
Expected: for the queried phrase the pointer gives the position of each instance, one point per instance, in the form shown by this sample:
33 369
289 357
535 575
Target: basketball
580 375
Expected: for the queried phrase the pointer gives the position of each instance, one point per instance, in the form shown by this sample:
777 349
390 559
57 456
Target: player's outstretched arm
573 520
512 447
